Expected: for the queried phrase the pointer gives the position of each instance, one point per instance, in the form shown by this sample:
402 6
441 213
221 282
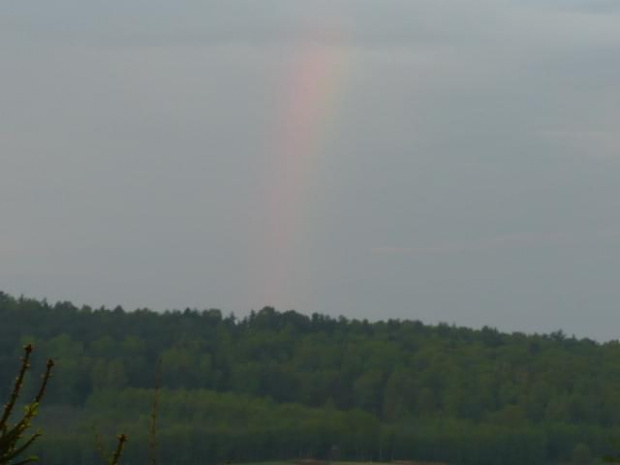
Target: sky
438 160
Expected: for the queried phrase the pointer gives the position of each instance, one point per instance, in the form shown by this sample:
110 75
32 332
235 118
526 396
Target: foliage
13 440
358 390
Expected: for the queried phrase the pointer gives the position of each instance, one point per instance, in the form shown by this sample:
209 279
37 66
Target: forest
283 385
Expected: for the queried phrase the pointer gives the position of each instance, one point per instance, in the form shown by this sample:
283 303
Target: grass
326 462
290 462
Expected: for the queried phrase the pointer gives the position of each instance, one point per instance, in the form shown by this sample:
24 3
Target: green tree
13 443
581 455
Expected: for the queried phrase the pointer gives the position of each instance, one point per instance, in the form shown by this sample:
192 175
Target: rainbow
306 121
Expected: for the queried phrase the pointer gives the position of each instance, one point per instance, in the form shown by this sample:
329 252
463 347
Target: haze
422 159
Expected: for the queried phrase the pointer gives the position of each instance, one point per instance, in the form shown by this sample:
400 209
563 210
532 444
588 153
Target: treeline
284 385
200 426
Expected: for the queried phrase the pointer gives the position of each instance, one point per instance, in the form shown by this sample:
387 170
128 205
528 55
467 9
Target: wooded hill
282 385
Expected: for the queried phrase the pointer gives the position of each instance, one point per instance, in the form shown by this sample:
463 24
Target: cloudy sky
442 160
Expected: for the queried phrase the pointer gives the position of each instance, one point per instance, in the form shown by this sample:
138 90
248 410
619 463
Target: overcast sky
441 160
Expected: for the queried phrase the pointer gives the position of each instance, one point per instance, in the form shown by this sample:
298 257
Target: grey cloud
508 241
139 158
354 22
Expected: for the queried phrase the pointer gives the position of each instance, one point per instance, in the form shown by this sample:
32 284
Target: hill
282 385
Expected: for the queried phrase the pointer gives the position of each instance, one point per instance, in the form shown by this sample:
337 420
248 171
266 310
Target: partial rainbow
307 122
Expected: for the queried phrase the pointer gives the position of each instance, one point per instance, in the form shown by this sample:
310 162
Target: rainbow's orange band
310 107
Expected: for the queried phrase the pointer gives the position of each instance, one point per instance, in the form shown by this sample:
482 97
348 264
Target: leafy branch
14 440
120 446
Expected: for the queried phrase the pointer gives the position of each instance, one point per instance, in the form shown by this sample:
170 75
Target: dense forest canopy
286 385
